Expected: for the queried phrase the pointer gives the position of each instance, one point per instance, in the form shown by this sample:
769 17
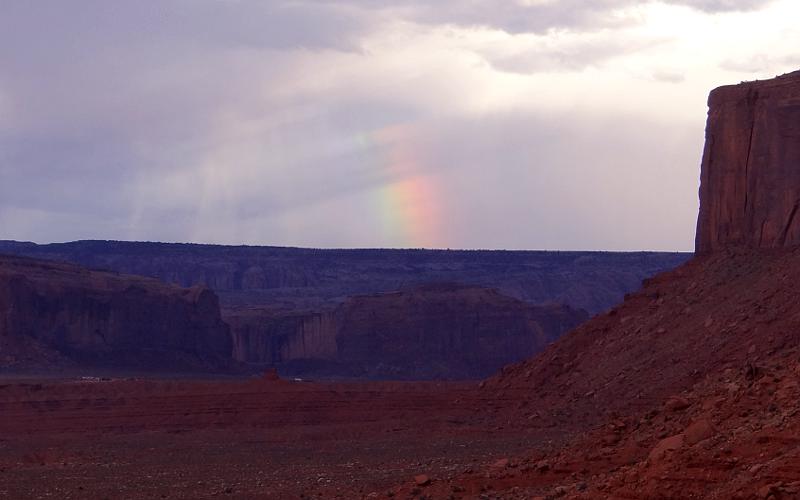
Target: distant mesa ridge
312 278
750 174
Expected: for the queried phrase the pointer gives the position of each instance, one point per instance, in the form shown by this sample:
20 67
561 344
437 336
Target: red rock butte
750 175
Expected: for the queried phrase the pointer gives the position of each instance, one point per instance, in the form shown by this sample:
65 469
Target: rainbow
409 204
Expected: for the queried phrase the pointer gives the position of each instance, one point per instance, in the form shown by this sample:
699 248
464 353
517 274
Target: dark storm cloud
93 93
69 25
87 59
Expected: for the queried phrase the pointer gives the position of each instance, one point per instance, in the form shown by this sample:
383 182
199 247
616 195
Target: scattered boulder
676 403
271 374
698 431
422 480
769 491
665 447
500 463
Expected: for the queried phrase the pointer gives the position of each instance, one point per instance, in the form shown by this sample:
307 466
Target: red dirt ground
239 439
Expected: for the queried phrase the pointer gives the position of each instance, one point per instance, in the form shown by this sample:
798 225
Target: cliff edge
105 318
750 174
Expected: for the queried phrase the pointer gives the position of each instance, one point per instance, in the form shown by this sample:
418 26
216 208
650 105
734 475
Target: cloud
667 76
279 24
536 16
714 6
762 63
525 17
513 16
564 51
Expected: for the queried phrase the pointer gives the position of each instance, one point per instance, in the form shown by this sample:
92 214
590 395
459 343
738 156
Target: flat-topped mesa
314 279
750 175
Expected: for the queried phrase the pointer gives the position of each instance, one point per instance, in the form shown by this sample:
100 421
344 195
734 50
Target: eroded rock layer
432 331
750 177
91 316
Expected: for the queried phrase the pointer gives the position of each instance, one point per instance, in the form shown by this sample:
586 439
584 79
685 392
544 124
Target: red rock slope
689 389
750 179
59 311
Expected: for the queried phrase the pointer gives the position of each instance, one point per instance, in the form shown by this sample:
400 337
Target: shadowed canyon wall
431 331
91 316
750 175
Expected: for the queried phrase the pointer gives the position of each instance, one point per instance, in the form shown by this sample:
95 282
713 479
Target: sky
517 124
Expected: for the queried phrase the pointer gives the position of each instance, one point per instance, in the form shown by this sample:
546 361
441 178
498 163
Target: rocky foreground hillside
303 279
426 332
689 389
59 314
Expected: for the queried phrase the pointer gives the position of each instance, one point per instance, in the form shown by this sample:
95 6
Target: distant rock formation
750 176
314 279
104 318
429 332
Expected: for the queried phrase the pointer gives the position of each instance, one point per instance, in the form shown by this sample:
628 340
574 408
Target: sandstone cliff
298 278
750 176
105 318
432 331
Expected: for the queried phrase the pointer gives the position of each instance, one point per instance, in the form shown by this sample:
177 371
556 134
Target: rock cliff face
106 318
263 335
750 177
433 331
302 279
